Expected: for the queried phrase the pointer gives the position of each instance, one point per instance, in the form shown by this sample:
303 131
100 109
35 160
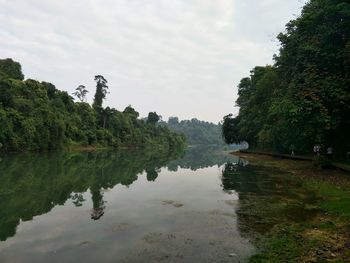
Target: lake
137 206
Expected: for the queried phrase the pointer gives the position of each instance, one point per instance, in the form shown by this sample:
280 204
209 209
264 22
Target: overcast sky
176 57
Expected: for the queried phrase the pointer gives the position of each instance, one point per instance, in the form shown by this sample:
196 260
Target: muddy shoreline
322 237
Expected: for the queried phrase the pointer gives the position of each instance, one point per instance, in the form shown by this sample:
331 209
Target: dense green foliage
36 116
197 132
10 69
304 98
153 118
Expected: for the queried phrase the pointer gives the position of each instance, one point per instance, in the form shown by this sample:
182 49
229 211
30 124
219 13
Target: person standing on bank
292 148
317 149
330 153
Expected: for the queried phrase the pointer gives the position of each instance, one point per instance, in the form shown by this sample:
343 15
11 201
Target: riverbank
77 147
323 234
340 166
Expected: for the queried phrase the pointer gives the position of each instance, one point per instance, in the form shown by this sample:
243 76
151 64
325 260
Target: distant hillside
197 132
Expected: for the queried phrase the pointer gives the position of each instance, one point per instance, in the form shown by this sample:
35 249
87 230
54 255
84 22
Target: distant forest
196 132
302 99
36 116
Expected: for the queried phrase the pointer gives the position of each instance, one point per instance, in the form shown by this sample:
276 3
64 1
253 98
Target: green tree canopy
131 111
153 118
36 116
10 69
304 98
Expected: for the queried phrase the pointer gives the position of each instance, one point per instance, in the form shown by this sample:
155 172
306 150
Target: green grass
335 200
323 238
284 246
289 243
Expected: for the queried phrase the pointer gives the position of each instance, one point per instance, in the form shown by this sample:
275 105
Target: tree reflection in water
33 184
77 199
199 157
267 196
152 174
98 204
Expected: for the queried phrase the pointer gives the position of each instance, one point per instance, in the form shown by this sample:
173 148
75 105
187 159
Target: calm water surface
128 207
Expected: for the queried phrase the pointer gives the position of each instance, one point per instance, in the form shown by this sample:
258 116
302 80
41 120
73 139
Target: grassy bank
310 222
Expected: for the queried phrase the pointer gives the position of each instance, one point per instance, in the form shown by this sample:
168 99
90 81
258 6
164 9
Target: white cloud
180 58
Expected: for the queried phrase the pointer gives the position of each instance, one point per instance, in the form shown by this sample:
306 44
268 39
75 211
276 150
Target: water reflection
77 199
202 157
32 185
98 204
123 207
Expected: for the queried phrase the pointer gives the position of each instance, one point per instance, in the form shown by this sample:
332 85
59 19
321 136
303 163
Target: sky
180 58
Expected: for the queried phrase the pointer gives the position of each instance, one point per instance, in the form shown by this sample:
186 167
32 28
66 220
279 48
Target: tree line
36 116
303 99
196 132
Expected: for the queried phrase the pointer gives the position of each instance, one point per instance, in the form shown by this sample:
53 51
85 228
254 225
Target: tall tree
101 91
80 93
